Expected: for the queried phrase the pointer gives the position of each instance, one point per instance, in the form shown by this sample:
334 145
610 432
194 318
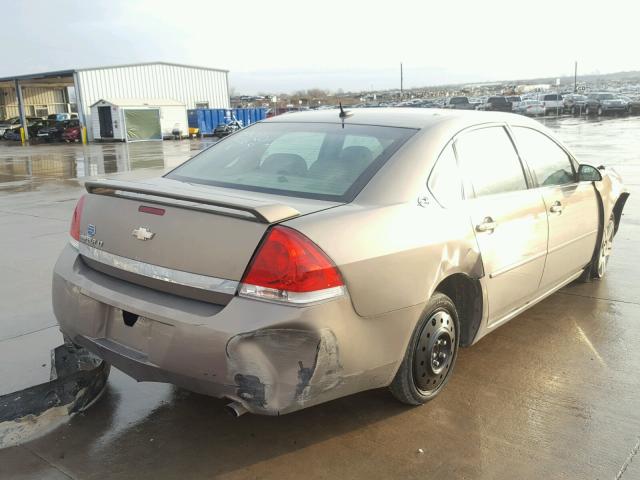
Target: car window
551 165
312 160
490 161
445 182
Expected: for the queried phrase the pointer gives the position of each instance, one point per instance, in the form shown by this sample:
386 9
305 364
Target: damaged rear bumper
272 358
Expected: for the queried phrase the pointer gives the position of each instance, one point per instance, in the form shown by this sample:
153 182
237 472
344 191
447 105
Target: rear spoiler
265 213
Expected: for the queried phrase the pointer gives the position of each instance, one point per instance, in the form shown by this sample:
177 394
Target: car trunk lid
192 240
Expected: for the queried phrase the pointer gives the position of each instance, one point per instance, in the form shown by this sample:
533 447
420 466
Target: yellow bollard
22 139
84 135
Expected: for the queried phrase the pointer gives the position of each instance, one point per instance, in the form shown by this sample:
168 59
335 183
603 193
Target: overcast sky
282 45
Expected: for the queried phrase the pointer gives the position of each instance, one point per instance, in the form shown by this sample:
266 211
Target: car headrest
356 157
285 164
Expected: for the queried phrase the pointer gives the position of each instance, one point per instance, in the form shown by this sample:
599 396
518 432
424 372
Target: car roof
416 118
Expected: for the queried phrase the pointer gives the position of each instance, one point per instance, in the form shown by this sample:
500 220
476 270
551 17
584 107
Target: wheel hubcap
435 351
605 248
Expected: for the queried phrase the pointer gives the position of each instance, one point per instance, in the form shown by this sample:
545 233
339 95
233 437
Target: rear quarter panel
393 257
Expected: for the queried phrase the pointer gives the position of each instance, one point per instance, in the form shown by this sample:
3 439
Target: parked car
224 129
601 103
53 130
515 101
33 126
60 117
478 101
552 103
279 287
72 132
14 122
574 103
633 107
458 103
531 108
498 104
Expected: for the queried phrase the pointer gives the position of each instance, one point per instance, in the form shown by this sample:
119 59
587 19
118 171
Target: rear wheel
600 111
431 354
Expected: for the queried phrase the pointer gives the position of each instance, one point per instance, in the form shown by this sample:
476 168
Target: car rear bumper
272 358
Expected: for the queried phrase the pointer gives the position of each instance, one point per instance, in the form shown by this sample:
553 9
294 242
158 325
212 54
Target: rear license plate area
130 329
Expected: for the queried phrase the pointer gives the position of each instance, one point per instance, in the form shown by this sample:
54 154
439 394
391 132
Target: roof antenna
343 114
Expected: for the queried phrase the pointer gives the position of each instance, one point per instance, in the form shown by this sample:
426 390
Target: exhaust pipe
235 409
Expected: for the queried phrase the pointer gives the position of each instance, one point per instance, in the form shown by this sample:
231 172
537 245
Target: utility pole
401 84
575 77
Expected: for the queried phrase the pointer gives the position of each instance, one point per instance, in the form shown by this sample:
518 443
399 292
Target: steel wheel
605 248
436 348
430 357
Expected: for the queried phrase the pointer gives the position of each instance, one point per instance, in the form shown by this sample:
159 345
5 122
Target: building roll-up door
142 124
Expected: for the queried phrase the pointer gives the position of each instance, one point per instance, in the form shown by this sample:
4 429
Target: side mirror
587 173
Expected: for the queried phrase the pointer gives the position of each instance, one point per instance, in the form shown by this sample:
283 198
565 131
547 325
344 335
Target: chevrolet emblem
143 234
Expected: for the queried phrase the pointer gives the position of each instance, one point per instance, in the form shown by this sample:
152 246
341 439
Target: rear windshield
312 160
552 97
497 100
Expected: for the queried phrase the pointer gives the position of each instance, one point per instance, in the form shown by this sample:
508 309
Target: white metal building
54 92
136 119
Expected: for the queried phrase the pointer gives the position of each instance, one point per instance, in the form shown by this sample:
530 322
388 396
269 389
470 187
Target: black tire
431 354
600 111
587 110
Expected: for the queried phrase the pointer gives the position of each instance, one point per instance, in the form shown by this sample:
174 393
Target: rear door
509 219
572 206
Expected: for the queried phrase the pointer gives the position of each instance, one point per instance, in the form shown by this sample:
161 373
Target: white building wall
173 117
185 84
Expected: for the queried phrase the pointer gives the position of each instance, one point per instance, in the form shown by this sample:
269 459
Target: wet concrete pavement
555 393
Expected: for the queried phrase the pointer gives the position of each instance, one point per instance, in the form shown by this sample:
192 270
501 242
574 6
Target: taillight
74 231
290 268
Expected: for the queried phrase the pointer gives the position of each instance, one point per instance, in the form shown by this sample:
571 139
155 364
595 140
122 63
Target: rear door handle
487 225
556 207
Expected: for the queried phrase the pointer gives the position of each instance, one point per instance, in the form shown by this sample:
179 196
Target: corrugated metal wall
189 85
51 98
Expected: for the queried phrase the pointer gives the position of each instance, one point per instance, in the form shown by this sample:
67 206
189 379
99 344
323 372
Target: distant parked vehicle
477 101
633 107
531 108
515 101
552 103
601 103
60 117
14 122
53 130
496 104
225 129
73 132
574 103
458 103
33 126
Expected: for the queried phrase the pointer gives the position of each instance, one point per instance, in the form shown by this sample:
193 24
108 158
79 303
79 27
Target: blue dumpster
207 119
